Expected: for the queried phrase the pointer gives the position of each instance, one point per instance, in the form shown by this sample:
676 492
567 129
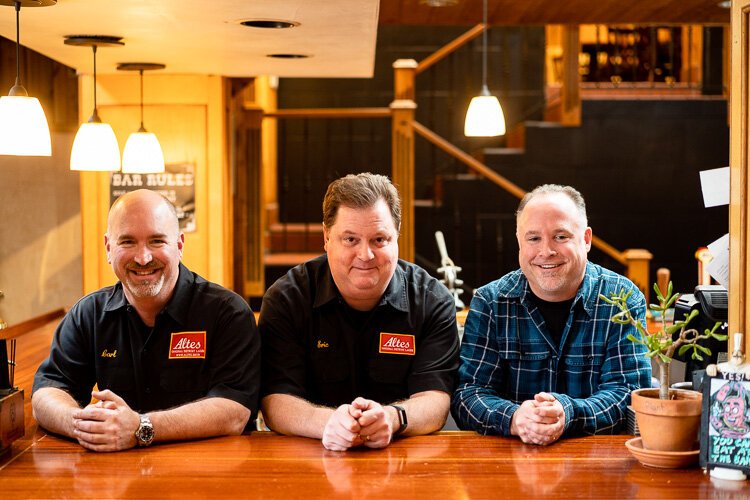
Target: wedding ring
367 438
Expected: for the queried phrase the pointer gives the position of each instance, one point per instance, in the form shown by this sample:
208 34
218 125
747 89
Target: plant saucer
661 459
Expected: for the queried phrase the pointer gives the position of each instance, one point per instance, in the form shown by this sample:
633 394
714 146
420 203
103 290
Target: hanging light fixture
484 117
95 147
142 154
23 126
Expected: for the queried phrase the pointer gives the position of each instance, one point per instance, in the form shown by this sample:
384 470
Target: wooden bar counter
447 465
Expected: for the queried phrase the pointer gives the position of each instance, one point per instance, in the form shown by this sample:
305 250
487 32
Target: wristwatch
144 435
401 418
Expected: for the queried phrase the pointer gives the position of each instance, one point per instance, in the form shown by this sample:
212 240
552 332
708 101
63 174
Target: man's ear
181 243
587 237
325 238
106 247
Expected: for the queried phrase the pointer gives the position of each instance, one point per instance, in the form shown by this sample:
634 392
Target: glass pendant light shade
23 127
142 154
24 130
484 117
95 148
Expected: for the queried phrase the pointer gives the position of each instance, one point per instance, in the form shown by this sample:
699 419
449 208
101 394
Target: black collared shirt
204 343
318 348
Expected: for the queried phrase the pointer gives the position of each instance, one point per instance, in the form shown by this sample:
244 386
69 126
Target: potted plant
668 419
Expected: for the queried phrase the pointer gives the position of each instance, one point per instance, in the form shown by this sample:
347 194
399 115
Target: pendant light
484 117
23 126
143 153
95 147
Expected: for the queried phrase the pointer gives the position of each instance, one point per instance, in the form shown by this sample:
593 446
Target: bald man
173 356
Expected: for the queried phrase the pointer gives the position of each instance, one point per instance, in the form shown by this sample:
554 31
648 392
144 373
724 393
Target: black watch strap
401 418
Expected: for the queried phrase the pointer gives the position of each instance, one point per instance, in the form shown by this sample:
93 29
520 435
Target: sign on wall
177 184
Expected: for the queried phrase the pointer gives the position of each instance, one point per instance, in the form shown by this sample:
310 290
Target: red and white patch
187 345
397 343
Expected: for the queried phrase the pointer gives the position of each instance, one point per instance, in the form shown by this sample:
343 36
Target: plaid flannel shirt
508 356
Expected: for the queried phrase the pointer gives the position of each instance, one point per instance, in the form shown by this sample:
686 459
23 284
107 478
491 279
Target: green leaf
658 292
683 349
674 328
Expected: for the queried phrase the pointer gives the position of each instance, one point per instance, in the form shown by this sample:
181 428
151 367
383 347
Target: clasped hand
107 425
363 422
539 421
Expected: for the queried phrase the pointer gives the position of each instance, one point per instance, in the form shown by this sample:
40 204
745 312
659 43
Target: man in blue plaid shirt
540 357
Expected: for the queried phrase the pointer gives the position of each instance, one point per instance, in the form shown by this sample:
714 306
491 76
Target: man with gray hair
358 346
540 357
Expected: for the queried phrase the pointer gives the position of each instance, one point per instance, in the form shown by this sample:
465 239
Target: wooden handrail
468 160
450 47
329 113
499 180
31 324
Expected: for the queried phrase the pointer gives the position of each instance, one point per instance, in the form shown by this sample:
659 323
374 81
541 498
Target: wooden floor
447 465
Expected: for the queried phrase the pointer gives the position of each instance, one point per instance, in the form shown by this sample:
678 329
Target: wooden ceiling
518 12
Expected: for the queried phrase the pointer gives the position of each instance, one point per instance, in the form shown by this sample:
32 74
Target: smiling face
362 248
553 243
144 247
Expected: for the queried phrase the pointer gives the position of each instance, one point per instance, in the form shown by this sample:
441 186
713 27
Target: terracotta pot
668 424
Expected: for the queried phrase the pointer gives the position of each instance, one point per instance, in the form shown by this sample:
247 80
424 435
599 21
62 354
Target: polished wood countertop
446 465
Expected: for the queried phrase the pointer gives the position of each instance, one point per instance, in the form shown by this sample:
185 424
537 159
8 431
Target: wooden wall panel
738 210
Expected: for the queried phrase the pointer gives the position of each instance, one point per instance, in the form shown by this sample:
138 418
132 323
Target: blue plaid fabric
507 356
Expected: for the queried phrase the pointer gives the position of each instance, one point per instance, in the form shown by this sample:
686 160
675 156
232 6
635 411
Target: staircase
636 162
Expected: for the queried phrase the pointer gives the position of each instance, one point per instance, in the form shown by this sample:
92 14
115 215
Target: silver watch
144 435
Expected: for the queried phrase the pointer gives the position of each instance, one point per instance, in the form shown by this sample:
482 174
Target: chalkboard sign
725 422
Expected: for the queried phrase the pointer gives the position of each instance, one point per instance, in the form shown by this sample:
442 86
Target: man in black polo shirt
358 346
173 356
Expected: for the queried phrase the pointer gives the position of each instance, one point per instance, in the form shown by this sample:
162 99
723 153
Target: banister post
402 149
638 262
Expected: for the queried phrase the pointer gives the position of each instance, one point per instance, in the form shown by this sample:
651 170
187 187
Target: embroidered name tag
187 345
397 343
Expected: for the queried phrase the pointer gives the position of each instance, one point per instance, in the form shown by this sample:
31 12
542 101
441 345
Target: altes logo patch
397 343
187 345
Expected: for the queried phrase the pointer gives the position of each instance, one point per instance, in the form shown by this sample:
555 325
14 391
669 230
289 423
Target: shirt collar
180 304
395 294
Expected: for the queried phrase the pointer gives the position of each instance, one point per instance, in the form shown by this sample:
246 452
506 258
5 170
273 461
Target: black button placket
135 325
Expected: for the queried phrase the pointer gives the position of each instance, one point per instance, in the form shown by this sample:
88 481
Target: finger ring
367 438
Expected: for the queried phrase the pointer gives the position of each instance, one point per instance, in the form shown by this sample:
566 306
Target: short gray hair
545 189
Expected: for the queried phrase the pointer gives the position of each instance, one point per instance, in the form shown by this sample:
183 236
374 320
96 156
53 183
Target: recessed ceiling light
726 4
288 56
269 23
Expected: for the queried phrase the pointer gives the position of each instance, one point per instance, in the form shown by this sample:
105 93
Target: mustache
134 266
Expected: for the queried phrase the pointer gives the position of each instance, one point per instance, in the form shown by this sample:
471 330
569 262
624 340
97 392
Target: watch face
146 434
